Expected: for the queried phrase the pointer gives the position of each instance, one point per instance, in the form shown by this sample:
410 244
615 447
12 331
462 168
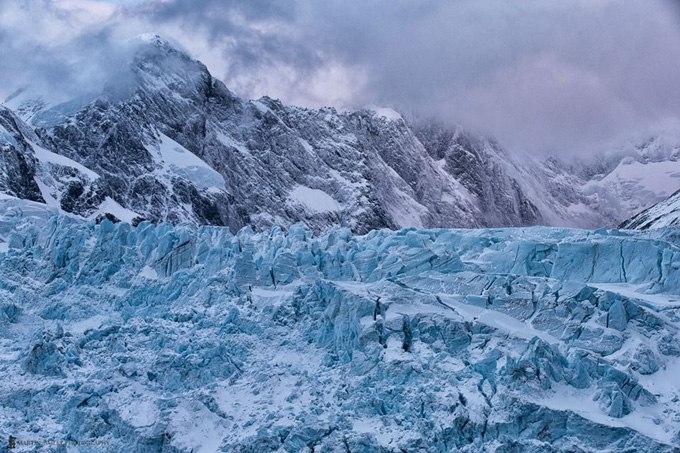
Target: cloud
56 48
538 74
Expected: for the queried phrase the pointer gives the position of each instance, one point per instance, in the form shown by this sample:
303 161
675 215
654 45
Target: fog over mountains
166 141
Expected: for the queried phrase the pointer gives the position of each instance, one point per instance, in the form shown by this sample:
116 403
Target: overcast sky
540 75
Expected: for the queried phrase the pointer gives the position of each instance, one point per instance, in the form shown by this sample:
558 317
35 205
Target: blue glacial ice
183 338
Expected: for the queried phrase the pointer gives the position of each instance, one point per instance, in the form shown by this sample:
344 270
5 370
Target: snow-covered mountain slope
643 174
505 183
631 176
169 142
368 169
638 184
662 215
162 338
32 172
263 163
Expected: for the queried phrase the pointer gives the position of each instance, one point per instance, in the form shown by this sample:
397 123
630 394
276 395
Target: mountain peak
153 65
153 39
150 44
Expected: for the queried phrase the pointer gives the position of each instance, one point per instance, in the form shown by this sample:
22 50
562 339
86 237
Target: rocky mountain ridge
166 141
662 215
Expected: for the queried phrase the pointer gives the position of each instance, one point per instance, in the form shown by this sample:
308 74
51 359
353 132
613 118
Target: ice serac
187 338
664 214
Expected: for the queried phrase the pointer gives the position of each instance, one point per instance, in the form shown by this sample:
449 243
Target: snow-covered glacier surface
183 338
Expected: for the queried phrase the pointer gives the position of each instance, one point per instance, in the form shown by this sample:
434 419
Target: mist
541 76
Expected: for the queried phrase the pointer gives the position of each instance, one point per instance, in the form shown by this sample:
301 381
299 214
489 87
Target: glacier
177 338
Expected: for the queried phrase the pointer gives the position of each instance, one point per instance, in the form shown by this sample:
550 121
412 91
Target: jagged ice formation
185 338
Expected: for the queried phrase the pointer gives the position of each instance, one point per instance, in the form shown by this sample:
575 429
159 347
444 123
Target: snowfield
184 338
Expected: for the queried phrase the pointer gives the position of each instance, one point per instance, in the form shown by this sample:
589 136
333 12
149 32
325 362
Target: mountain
499 180
165 141
661 215
162 338
634 175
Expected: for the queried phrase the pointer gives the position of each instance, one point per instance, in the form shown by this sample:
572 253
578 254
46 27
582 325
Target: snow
662 215
149 273
6 137
232 143
27 102
80 327
657 301
46 194
46 156
307 147
640 184
196 428
111 206
567 399
177 160
406 211
662 178
150 38
45 181
343 180
315 200
261 107
387 113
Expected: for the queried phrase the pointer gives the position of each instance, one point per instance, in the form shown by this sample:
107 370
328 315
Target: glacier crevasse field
184 338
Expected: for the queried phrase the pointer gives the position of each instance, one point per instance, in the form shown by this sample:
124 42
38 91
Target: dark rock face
265 163
17 167
479 166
